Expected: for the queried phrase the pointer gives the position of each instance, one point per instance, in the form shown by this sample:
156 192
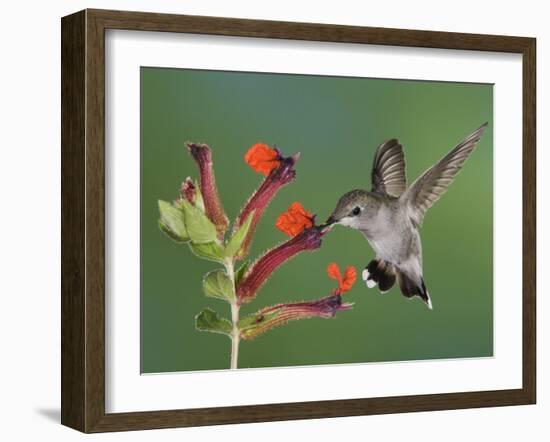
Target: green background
336 123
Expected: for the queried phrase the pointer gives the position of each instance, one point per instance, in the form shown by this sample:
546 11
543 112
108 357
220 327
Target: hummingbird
390 214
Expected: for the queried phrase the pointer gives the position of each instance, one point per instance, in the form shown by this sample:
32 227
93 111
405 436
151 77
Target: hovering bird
390 214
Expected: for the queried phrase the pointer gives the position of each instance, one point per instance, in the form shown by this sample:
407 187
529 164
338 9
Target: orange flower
344 284
294 220
262 158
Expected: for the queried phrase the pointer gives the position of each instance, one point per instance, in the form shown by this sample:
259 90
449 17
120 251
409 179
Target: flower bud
202 155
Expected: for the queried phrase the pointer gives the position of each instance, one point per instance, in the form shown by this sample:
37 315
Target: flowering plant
197 218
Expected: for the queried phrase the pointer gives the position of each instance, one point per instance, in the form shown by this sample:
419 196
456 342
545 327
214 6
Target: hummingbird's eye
356 211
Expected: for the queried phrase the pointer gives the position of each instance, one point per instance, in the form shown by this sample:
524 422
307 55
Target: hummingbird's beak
327 225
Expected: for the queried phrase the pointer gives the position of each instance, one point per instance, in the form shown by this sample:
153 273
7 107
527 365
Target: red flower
262 158
280 314
283 174
344 284
294 220
261 270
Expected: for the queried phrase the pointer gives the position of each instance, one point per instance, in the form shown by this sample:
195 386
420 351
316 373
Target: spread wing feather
388 170
433 183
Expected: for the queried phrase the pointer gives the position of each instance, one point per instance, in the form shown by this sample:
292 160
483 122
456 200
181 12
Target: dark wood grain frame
83 220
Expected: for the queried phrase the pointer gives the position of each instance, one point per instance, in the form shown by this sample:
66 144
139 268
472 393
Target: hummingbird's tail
410 288
379 272
384 274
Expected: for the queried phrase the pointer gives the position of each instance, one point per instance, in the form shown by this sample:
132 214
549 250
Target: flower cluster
197 217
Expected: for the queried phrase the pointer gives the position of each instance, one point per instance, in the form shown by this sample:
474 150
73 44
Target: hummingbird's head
352 210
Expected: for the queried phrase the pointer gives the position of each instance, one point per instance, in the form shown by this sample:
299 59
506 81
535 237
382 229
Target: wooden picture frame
83 220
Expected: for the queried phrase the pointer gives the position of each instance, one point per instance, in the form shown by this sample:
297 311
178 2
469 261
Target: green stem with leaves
197 218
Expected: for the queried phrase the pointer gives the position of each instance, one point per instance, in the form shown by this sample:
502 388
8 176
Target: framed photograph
270 220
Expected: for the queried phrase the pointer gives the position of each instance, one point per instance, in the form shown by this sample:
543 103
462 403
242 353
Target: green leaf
241 272
199 227
217 284
210 250
208 320
236 241
172 222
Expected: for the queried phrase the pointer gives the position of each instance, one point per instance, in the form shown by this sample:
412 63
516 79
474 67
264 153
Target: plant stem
235 334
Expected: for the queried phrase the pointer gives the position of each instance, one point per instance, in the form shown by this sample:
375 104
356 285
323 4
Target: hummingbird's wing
433 183
388 169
